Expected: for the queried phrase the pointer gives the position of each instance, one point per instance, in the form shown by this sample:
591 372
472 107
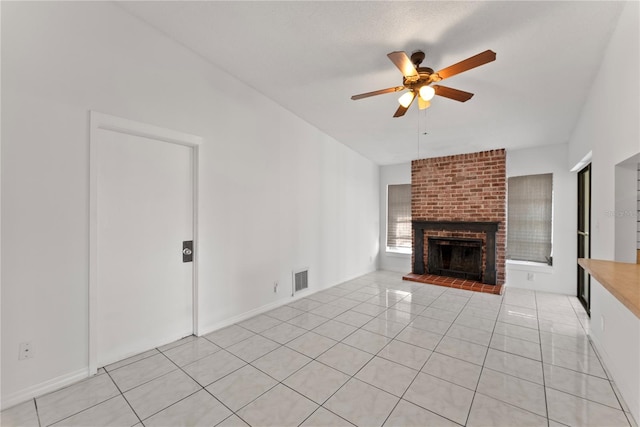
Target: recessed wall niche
625 213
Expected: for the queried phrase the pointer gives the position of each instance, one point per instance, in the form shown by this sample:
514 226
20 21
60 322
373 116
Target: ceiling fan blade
404 64
455 94
401 110
377 92
467 64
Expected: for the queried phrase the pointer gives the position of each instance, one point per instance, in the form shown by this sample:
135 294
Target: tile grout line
162 375
224 376
321 405
167 373
123 396
131 363
353 376
540 331
424 364
484 361
82 410
544 384
389 339
255 367
512 376
199 384
35 403
312 359
591 346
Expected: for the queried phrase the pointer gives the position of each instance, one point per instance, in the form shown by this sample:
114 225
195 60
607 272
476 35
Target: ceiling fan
419 79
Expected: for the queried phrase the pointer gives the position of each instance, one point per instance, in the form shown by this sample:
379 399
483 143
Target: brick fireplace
460 200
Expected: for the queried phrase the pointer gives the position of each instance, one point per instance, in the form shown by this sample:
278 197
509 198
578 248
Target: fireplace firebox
455 257
489 271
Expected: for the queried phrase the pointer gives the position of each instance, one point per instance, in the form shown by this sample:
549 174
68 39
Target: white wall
609 127
561 277
392 175
275 193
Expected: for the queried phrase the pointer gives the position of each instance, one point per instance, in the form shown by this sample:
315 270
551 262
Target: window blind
399 216
529 218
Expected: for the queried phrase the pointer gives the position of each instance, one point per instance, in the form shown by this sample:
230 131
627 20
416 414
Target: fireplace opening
455 257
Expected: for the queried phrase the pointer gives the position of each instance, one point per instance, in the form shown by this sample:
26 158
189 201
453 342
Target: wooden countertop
620 278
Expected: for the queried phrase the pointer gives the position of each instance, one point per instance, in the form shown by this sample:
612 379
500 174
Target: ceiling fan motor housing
417 57
426 76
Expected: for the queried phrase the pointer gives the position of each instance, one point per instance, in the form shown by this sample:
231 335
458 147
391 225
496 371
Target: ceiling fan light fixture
422 104
406 98
427 93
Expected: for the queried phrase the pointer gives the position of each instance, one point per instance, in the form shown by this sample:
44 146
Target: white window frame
401 250
529 262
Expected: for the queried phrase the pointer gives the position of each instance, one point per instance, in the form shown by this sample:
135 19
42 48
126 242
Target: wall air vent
300 280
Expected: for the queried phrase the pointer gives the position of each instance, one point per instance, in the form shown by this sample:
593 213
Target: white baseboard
43 388
256 311
251 313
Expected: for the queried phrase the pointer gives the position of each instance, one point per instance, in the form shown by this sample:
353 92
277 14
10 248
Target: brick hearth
450 282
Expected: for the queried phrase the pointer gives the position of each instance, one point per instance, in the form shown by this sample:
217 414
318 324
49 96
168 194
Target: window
399 218
530 209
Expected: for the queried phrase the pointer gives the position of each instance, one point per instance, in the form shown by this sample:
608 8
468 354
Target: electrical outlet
275 287
530 277
25 351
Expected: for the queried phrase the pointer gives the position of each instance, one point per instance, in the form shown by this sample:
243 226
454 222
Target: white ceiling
310 57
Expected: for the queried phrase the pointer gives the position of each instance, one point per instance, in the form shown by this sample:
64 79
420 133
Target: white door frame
100 121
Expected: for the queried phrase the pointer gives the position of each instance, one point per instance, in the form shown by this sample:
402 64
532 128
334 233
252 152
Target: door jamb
586 304
101 121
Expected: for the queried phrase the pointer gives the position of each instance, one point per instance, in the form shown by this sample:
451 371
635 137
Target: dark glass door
584 238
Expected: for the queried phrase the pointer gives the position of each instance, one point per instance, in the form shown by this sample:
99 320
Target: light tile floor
372 351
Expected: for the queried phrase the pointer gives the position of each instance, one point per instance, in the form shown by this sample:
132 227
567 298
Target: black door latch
187 251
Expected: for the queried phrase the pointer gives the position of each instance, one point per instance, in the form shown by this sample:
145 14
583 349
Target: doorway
584 234
143 204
